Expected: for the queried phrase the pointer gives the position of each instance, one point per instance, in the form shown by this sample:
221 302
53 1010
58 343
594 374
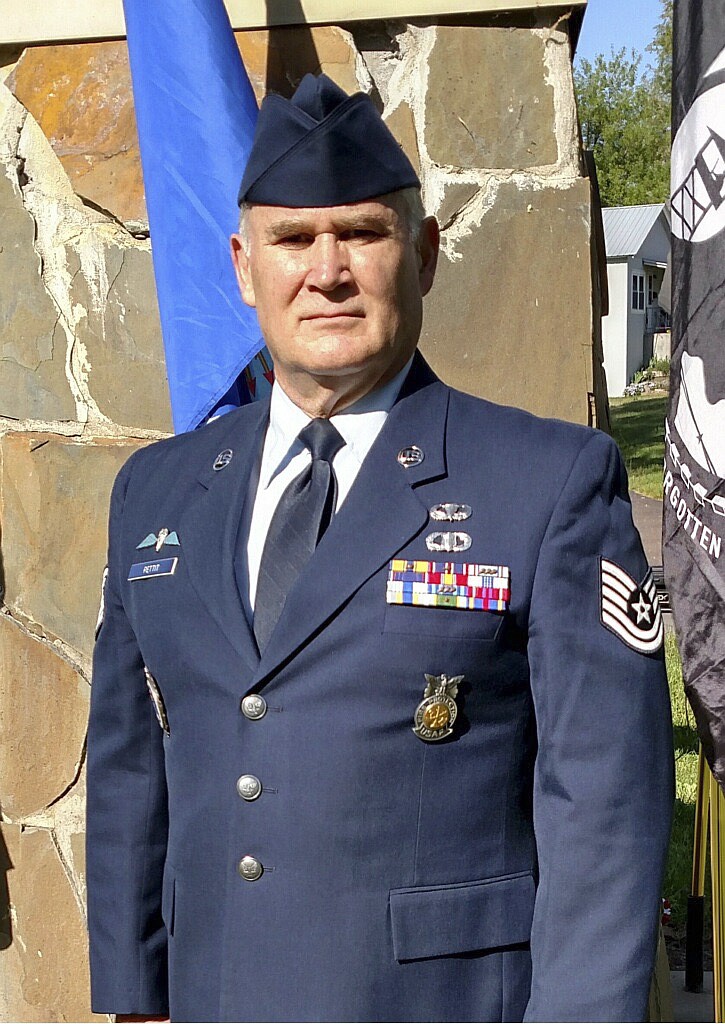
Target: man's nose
329 264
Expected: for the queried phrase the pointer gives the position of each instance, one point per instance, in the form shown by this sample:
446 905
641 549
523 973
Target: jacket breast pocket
465 917
443 622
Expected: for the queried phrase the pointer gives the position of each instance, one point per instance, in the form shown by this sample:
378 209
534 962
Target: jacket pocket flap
463 917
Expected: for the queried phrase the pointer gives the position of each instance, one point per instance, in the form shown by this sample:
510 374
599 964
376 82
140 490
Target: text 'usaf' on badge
435 715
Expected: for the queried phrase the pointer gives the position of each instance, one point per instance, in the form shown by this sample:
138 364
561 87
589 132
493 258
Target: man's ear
429 241
240 259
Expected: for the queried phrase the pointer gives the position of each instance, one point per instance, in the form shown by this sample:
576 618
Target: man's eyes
294 241
360 235
301 240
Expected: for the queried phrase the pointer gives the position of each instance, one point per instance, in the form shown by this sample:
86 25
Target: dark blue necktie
300 519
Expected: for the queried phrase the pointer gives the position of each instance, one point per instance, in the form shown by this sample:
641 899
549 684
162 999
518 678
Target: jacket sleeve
603 787
126 827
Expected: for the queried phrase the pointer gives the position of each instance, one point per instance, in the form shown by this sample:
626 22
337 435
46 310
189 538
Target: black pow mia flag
694 485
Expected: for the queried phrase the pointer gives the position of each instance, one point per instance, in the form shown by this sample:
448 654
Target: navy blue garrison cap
322 148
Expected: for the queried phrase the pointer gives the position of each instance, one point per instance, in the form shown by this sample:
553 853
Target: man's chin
339 356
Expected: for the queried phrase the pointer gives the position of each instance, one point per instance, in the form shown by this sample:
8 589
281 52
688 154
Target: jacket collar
211 524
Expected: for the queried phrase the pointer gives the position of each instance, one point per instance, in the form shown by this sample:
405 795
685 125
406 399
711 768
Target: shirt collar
359 424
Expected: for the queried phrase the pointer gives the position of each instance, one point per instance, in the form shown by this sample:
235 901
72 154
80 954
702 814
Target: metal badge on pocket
436 713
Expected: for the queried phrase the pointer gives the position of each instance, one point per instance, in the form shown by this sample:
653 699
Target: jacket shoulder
187 448
520 432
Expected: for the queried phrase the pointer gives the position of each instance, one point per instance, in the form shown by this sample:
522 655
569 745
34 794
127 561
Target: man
413 750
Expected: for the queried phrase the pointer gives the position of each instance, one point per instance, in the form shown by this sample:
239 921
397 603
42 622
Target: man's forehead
384 209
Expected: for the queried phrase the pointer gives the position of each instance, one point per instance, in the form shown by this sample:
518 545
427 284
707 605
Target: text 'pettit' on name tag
462 585
150 570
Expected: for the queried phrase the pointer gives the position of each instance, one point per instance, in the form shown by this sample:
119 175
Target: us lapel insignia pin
165 536
411 456
157 700
454 541
436 713
223 459
450 512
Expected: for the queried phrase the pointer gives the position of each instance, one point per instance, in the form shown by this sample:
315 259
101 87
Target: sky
618 23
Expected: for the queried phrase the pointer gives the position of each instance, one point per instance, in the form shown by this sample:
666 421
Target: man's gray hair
412 210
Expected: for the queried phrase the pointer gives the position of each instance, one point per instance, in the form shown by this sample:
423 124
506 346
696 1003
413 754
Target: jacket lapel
380 515
211 524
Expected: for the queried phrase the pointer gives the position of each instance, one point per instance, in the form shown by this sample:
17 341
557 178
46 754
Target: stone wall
485 109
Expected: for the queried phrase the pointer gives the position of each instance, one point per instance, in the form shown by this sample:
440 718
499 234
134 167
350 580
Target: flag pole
696 901
717 853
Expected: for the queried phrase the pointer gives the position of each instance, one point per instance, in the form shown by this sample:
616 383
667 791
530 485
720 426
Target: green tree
661 49
624 114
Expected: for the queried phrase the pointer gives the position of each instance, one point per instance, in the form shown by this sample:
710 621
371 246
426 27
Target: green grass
638 428
678 874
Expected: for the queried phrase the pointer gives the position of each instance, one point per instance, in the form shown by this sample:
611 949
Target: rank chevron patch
631 610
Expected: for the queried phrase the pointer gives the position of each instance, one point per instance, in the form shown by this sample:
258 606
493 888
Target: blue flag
196 113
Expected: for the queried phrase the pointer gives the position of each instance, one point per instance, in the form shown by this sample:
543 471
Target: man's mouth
335 315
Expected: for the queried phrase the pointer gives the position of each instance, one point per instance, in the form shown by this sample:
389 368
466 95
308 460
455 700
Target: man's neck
324 397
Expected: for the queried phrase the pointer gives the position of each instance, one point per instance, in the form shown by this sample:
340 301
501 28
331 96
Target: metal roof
627 227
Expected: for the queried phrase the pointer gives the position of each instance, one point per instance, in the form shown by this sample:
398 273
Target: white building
637 240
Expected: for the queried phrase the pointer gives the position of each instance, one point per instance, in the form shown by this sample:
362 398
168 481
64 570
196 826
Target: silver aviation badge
448 541
436 713
450 512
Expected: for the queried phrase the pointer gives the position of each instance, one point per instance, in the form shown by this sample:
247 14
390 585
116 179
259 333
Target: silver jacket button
249 787
250 869
254 706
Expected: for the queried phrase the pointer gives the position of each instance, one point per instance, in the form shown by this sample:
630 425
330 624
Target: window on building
638 291
651 290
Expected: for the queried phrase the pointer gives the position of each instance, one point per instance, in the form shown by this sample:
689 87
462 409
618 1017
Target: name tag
150 570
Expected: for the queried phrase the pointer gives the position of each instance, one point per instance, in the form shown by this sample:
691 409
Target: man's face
337 289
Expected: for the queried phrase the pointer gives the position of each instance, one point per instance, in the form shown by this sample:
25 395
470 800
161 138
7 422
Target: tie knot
323 439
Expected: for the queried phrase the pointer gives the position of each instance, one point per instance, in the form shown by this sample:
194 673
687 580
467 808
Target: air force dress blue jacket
509 871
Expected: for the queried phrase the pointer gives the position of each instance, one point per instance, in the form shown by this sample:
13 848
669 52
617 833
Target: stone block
400 122
44 944
69 831
121 335
511 320
277 59
80 94
9 55
33 382
489 103
54 512
455 198
44 708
